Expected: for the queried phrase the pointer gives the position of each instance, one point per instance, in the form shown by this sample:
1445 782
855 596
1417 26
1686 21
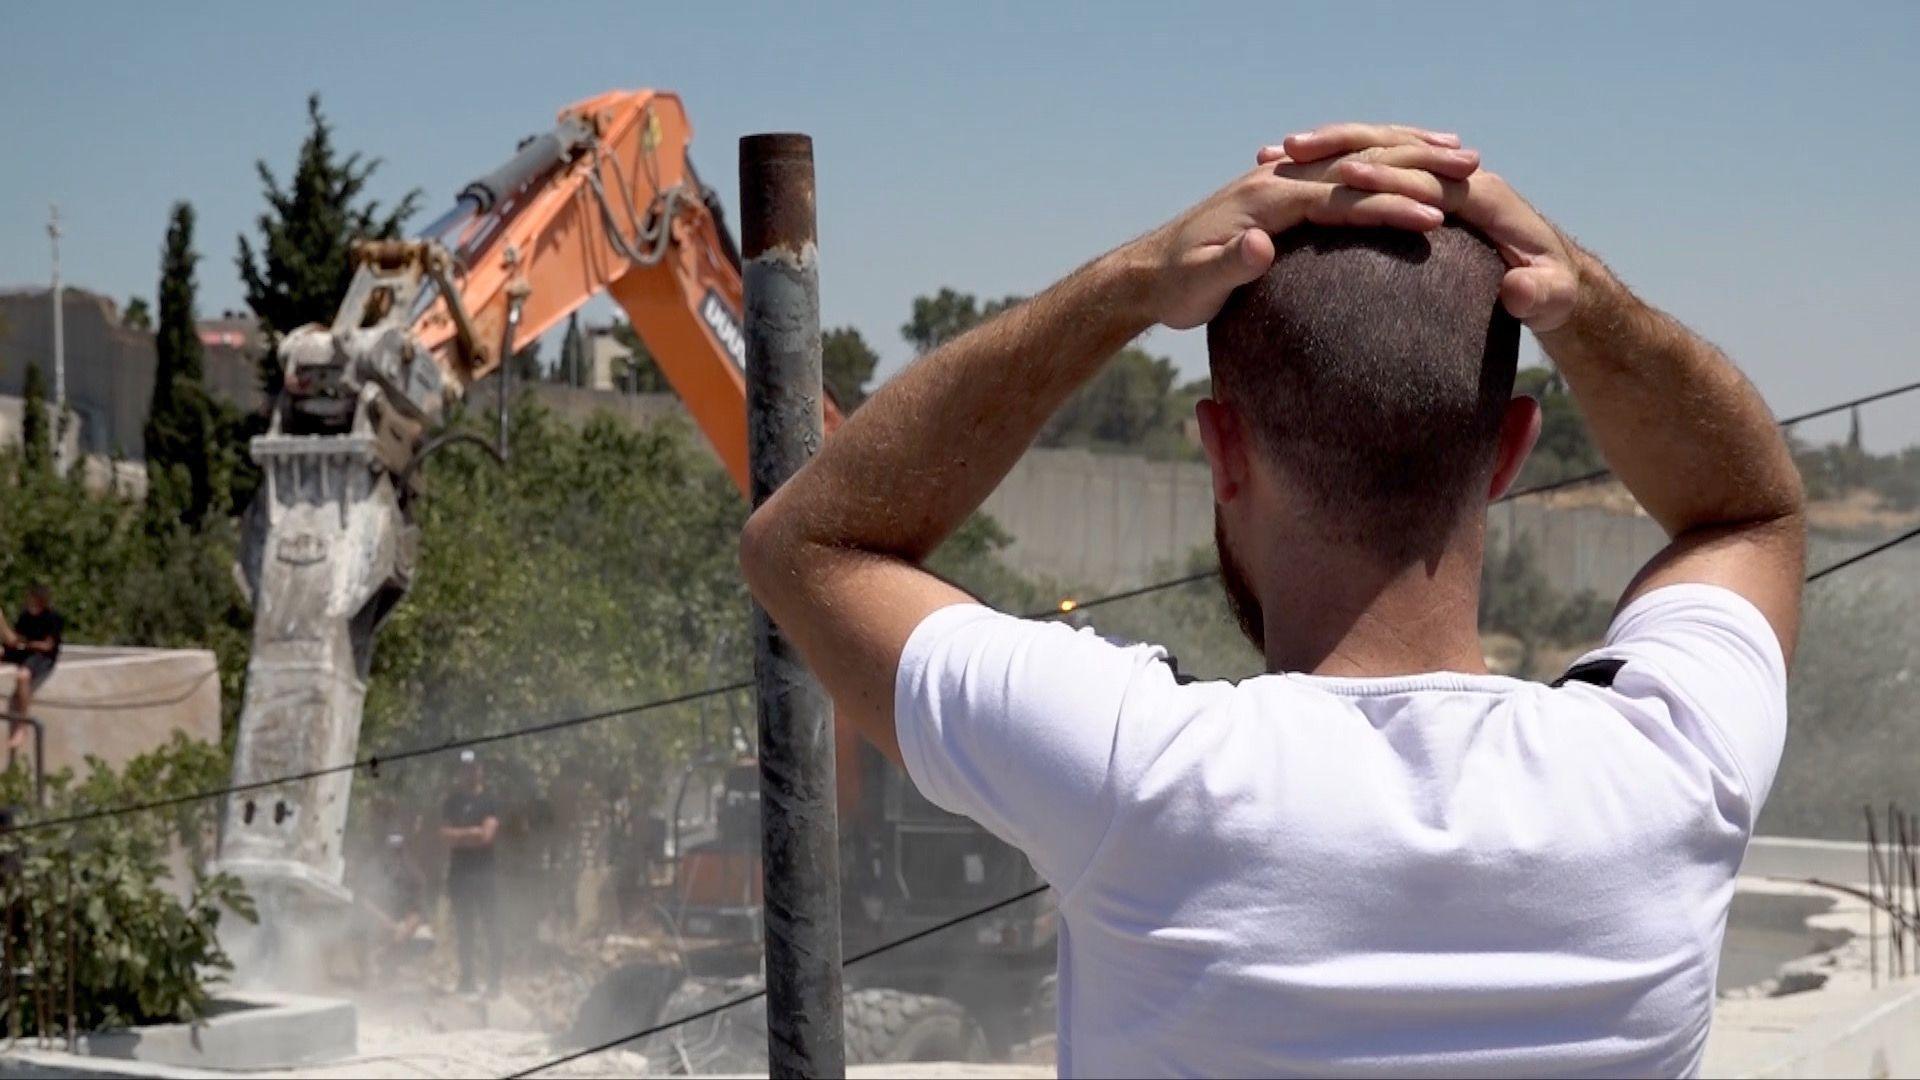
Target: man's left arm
835 555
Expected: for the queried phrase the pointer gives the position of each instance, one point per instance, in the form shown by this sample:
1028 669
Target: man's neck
1334 615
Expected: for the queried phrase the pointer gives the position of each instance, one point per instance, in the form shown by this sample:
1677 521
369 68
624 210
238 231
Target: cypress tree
573 355
302 266
36 450
184 455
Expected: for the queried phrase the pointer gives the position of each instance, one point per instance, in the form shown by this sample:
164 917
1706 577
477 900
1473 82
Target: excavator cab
714 891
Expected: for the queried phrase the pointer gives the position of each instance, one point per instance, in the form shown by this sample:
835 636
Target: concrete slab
1851 1024
251 1033
33 1064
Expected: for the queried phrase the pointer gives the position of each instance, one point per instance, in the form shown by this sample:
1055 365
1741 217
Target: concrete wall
1103 520
1840 861
1112 521
109 367
118 703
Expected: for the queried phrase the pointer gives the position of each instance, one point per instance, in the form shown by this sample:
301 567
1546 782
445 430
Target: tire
887 1026
628 998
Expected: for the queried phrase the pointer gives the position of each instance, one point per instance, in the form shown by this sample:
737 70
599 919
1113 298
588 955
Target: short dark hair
1374 366
40 591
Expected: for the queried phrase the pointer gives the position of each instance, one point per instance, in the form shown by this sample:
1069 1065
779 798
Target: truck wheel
886 1025
628 998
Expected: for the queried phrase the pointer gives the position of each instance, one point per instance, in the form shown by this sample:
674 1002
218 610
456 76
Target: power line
701 1014
1814 414
1069 606
1554 485
1066 607
755 995
1860 556
1869 399
372 762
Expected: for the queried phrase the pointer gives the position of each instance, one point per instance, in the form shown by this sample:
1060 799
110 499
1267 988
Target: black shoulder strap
1180 678
1600 672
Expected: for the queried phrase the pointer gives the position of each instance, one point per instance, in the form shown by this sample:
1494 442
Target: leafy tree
1853 704
303 264
1191 621
189 465
36 435
138 316
120 574
1516 598
947 314
1565 448
1131 406
91 902
1124 407
846 364
599 569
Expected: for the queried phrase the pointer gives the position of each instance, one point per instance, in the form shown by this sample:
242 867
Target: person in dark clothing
32 645
469 822
390 904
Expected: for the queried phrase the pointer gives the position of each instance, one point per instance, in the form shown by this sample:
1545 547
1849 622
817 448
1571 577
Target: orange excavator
606 201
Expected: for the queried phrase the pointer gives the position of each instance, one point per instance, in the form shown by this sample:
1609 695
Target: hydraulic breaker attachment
335 556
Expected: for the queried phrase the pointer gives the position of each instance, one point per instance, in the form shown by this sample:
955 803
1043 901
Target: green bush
89 908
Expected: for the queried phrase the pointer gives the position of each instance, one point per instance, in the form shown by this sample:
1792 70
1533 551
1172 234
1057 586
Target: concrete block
254 1031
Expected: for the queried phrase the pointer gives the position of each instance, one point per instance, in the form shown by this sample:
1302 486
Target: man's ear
1519 430
1224 437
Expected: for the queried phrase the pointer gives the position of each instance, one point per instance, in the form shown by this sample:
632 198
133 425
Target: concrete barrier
118 703
253 1031
1839 861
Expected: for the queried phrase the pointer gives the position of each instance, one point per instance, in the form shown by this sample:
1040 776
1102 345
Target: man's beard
1241 599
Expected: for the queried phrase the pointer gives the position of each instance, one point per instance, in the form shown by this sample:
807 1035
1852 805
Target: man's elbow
766 551
1787 513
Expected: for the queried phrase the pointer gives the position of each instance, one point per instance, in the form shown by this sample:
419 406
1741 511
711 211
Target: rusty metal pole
799 842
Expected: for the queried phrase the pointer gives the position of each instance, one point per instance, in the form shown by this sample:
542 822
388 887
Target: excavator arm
607 201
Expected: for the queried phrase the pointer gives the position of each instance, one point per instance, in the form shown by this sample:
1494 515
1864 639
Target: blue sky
1748 167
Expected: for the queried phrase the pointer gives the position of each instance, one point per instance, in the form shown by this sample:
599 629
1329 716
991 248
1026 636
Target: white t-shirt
1432 875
